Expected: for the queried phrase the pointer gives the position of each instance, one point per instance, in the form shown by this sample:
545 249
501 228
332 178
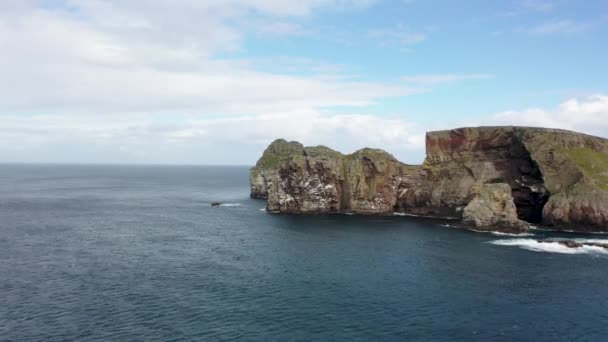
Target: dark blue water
136 253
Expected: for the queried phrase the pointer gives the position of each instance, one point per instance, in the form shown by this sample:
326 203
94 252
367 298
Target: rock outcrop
555 177
493 208
298 179
575 244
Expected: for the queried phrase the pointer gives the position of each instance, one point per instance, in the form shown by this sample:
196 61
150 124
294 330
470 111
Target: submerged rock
554 177
575 244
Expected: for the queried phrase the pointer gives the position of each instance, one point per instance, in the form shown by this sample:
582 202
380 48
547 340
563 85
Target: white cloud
125 81
399 35
559 26
587 115
128 56
240 139
225 140
537 5
520 7
282 28
135 81
432 79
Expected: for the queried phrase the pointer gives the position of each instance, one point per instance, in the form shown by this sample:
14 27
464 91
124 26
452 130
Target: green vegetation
593 164
322 151
269 161
372 153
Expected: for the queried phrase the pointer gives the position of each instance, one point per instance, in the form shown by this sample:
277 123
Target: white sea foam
538 229
411 215
546 229
425 216
581 240
512 234
549 246
262 209
593 233
490 232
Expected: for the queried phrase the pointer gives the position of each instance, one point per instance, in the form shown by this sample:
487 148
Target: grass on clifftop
372 153
269 161
593 164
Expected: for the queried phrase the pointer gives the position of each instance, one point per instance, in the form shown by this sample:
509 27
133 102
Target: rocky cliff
491 177
298 179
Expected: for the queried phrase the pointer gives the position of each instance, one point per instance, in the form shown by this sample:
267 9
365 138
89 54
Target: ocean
137 253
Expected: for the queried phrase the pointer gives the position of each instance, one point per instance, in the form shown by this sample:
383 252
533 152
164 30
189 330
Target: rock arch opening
527 184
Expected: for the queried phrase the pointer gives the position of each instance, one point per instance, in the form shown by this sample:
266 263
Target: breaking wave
594 233
511 234
447 225
549 246
581 240
425 216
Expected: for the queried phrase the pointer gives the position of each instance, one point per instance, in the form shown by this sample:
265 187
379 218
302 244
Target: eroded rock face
493 208
574 167
460 161
555 177
298 179
578 211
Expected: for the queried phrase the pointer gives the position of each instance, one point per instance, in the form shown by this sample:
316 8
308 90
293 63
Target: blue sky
213 82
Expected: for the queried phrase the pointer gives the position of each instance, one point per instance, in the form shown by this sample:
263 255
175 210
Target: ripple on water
146 261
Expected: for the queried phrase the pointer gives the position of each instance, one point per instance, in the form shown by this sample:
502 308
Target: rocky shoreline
490 178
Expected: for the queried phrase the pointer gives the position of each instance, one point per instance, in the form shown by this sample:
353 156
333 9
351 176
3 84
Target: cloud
240 139
537 5
223 8
144 81
139 137
118 56
399 35
559 26
435 79
586 114
521 7
282 28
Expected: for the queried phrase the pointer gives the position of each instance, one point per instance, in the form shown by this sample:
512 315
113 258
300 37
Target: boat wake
230 205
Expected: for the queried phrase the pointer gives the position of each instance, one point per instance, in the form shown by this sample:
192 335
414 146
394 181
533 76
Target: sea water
137 253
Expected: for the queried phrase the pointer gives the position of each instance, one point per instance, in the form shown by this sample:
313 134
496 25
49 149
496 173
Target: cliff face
298 179
460 161
575 170
555 177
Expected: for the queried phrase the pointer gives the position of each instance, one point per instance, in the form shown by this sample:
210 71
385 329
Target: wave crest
511 234
549 246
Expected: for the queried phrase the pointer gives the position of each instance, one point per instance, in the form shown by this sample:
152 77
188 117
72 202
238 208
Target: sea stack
492 178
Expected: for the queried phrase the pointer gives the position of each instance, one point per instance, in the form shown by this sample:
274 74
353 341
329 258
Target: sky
215 81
